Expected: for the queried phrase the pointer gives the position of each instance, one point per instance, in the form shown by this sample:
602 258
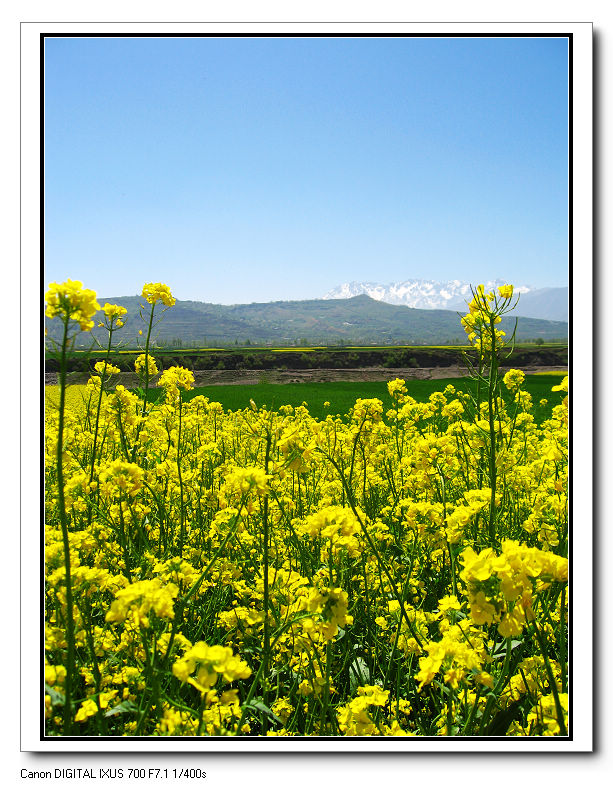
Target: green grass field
342 395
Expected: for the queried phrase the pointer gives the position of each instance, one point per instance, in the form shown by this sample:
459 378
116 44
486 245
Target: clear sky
260 169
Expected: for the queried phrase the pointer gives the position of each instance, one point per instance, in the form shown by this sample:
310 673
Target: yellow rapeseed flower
156 291
70 301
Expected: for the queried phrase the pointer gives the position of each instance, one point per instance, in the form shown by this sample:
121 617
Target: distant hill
360 319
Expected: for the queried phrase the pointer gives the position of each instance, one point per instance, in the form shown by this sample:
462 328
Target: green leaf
124 707
56 697
261 707
502 720
359 673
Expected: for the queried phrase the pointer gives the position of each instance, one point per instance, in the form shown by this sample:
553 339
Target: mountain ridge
360 320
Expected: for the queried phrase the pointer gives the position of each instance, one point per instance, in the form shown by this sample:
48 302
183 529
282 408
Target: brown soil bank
205 378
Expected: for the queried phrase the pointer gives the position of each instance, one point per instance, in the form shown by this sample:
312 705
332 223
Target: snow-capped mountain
423 294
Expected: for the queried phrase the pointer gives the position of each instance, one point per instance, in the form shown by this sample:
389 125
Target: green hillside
320 322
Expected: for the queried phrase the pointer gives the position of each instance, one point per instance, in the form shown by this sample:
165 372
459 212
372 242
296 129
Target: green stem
146 386
491 388
373 547
405 589
182 499
70 634
183 602
246 702
102 378
497 689
450 712
266 541
147 359
471 718
561 643
326 699
551 678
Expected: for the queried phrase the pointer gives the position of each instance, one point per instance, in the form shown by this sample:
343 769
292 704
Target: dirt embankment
204 378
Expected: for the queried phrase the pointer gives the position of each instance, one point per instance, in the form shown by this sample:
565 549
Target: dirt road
204 378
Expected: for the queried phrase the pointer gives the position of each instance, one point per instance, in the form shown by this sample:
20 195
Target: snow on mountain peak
419 293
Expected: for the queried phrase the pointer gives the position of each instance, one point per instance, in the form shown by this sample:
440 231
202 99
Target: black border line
301 739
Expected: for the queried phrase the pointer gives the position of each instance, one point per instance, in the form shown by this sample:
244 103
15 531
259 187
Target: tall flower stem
266 542
147 342
61 503
373 547
98 408
491 403
181 494
139 425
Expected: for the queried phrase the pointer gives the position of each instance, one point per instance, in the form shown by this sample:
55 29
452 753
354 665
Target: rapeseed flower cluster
208 664
113 314
139 599
70 301
145 363
156 291
484 314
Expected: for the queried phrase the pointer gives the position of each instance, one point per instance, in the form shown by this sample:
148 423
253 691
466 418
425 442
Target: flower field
266 573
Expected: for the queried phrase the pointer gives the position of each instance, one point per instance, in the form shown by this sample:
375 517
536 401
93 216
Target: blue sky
261 169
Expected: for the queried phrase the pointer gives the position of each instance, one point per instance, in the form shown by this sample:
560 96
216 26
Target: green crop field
340 395
343 395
